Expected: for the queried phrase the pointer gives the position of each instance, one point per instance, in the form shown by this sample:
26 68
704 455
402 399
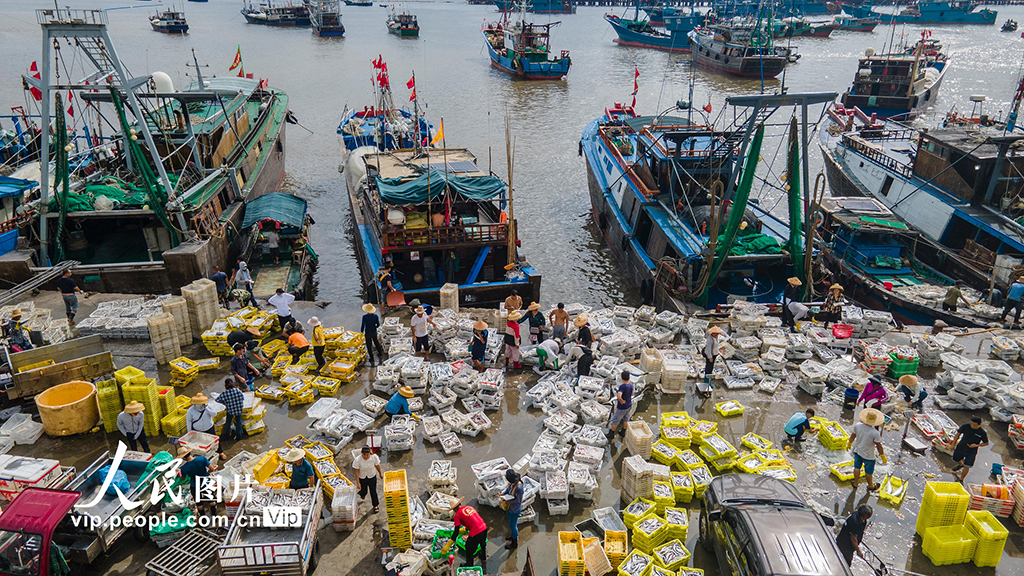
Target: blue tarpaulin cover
288 209
394 191
14 186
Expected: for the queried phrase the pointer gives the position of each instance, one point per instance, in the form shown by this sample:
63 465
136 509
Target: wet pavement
891 533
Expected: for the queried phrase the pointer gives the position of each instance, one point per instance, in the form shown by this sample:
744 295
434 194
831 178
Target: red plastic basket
842 330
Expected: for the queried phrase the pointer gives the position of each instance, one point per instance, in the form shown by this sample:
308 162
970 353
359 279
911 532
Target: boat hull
710 55
523 69
404 32
280 22
170 29
906 108
984 16
329 31
668 42
538 6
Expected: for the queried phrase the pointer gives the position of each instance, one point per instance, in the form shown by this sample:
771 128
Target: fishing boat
929 12
270 15
538 6
884 264
404 24
169 22
523 49
288 216
436 217
383 125
657 14
671 200
716 51
156 198
900 84
849 23
1010 25
358 3
955 185
793 27
325 16
643 34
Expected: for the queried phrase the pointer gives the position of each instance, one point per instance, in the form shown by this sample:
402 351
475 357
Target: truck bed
91 482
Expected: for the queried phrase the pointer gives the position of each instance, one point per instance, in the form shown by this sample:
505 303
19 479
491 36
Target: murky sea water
456 82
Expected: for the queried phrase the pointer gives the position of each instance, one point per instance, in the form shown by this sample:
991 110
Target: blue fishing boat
523 49
671 200
900 84
930 12
538 6
326 18
270 15
643 34
656 14
358 3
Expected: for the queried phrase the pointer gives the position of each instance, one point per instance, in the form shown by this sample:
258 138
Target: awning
288 209
395 191
14 186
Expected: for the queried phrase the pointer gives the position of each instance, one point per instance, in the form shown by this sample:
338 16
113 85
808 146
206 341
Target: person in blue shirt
194 468
369 327
221 280
302 470
478 347
1013 300
798 424
623 404
399 403
512 495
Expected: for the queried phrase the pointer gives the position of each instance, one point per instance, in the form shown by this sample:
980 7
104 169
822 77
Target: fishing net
120 193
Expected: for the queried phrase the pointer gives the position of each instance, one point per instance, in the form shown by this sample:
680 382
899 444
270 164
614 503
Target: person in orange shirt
468 518
297 344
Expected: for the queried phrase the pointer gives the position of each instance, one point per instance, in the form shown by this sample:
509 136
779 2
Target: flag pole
416 114
444 156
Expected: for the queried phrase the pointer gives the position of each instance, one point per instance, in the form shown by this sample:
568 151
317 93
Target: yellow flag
440 134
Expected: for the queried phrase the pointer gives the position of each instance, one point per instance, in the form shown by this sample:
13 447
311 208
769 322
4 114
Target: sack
505 505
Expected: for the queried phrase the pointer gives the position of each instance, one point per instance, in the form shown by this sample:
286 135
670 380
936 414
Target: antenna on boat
199 74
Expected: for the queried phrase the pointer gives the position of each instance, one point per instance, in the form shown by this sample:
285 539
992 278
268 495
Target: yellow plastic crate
677 436
701 429
773 457
304 398
615 546
273 347
675 564
266 466
729 409
943 504
676 419
949 544
682 486
755 442
843 470
991 535
395 481
640 557
749 463
327 386
722 465
269 392
636 510
663 496
173 424
570 554
785 472
126 374
686 571
208 364
649 532
184 366
664 452
833 436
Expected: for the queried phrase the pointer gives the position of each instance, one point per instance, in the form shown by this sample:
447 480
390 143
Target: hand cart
194 554
879 567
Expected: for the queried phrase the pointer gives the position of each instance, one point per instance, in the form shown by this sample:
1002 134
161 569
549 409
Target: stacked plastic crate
203 306
344 509
570 554
639 439
144 391
109 396
183 371
991 535
163 336
396 504
177 307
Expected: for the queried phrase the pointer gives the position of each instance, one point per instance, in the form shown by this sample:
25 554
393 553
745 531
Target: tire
314 558
703 532
140 533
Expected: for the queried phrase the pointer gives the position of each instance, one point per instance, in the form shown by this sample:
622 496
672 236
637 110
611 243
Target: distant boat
271 15
930 12
169 22
898 85
1010 25
718 53
796 27
523 50
198 0
539 6
357 3
326 18
643 34
848 23
403 24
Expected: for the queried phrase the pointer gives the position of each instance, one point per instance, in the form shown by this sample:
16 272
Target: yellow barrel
69 408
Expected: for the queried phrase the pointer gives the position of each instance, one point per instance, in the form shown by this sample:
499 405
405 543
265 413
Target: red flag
238 59
636 85
377 62
413 96
36 93
71 109
241 72
411 84
636 73
264 84
249 76
708 108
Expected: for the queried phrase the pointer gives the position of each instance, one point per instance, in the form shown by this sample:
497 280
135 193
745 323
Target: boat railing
70 16
627 167
446 235
888 162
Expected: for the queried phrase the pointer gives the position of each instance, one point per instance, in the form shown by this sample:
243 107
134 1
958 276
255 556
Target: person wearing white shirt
367 466
274 243
282 301
418 324
199 418
132 424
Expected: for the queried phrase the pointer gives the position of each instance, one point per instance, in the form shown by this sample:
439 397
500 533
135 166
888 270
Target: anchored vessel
523 49
403 24
643 34
169 22
271 15
757 58
147 212
325 16
851 24
539 6
901 84
930 12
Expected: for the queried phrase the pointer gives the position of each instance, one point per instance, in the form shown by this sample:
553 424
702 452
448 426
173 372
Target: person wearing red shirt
476 543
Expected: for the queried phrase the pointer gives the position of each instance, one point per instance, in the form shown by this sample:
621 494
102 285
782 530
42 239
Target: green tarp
123 194
394 191
755 244
288 209
881 222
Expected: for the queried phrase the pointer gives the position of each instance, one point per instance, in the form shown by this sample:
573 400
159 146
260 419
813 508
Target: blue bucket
850 398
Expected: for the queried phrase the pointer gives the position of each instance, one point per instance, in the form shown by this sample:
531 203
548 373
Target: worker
199 418
368 326
874 393
547 354
852 533
282 301
623 404
864 441
68 288
478 347
954 295
241 278
249 339
968 439
132 425
367 466
418 326
196 469
302 471
710 351
584 335
273 243
536 322
241 369
559 321
234 403
586 360
384 281
1013 301
16 332
512 503
512 339
913 392
399 402
798 424
514 301
832 308
297 344
243 297
221 280
476 544
318 340
790 295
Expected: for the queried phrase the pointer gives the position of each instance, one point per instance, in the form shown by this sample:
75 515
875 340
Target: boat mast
510 151
416 116
917 61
